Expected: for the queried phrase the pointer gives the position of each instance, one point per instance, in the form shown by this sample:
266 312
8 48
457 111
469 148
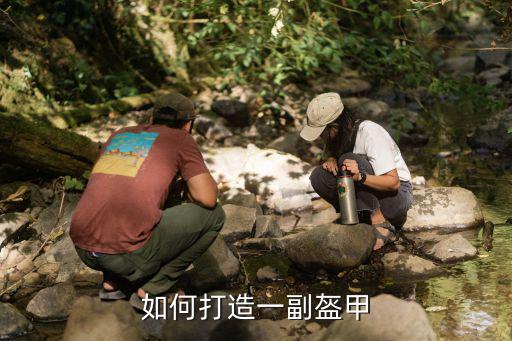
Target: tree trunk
44 148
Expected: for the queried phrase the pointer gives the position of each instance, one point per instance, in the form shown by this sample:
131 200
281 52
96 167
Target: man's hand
331 165
202 190
353 167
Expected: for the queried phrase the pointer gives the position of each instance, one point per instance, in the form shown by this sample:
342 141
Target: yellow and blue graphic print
125 154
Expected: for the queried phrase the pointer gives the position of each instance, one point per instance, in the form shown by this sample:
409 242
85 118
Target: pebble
48 268
313 327
32 279
25 265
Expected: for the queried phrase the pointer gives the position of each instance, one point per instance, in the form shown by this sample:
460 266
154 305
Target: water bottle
347 198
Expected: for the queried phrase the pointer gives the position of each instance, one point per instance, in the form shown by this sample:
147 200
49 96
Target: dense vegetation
57 53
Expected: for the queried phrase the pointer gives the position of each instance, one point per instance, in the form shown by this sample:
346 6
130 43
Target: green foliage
480 96
76 184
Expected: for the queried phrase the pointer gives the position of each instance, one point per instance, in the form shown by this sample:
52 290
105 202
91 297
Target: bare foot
380 242
109 286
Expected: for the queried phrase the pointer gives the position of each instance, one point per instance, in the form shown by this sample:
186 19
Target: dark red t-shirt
129 185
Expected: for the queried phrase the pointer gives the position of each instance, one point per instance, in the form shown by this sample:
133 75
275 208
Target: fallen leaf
353 289
435 308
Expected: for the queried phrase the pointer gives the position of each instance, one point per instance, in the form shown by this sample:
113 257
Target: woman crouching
382 179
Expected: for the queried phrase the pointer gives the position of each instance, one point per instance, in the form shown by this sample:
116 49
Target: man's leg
184 233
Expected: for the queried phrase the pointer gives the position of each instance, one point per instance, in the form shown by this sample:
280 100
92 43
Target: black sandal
386 239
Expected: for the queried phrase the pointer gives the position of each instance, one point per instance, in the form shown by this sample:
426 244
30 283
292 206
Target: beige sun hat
322 110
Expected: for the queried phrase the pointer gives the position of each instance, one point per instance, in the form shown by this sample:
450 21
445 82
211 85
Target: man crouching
120 225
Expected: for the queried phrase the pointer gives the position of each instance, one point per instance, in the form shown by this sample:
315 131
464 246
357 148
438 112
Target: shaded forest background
58 55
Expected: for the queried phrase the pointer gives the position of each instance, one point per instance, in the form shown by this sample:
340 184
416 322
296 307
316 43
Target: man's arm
202 190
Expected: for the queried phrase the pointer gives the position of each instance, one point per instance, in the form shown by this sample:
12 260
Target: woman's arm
388 182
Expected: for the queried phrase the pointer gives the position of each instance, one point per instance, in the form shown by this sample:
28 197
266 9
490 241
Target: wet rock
403 267
25 266
453 248
235 112
464 65
367 108
48 217
53 303
495 76
267 274
280 180
240 197
493 135
490 59
443 208
94 320
215 267
408 321
35 195
331 246
270 244
212 129
32 279
48 269
12 222
267 226
197 329
254 330
239 222
12 322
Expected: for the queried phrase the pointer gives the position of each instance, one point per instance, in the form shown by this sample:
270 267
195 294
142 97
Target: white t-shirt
381 150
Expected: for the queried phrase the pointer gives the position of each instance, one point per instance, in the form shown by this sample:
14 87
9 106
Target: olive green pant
183 234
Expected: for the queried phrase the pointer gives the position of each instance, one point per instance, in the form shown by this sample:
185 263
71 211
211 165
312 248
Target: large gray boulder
493 136
280 180
267 226
239 222
53 303
91 319
12 322
333 247
404 267
390 319
47 219
240 197
254 330
235 112
444 208
215 267
463 65
453 248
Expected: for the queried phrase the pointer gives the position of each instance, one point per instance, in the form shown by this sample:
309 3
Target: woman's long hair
342 142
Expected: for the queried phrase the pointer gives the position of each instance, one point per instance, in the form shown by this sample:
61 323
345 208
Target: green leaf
509 130
376 22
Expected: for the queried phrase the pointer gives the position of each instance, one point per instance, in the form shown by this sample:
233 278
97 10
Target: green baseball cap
174 107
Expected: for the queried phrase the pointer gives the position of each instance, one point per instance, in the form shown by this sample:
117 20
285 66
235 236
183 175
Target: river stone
267 274
490 59
53 303
197 329
91 319
390 319
239 222
267 226
280 180
463 65
367 108
403 267
12 257
215 267
235 112
453 248
495 76
11 222
48 217
240 197
344 86
254 330
493 135
332 246
445 208
12 322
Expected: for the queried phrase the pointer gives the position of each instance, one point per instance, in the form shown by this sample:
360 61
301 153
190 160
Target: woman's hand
353 167
331 165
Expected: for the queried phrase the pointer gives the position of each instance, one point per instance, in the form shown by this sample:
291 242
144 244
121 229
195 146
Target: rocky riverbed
279 238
